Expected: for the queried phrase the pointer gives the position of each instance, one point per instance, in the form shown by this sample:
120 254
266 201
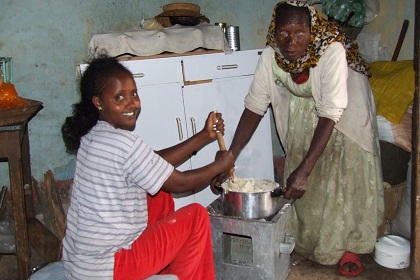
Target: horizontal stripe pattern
115 170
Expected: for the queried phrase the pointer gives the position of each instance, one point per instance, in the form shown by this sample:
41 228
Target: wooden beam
43 241
415 201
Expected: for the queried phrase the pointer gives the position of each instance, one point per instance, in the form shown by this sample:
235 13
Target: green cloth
343 204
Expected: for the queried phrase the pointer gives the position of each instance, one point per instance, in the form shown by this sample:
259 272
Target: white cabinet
227 94
177 94
161 123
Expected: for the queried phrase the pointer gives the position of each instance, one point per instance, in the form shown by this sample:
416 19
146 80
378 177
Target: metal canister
232 36
222 26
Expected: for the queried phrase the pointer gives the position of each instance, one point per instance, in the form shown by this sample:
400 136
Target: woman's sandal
350 258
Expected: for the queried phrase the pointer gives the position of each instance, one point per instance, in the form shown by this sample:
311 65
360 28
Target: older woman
317 83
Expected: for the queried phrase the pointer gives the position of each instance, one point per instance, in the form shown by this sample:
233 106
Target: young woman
121 222
317 83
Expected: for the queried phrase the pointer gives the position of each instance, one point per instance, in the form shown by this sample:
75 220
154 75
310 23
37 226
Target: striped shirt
108 210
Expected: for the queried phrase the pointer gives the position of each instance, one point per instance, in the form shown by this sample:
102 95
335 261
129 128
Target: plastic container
222 26
6 69
392 251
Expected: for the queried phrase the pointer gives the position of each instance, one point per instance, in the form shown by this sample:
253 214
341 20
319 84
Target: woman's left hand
214 124
296 184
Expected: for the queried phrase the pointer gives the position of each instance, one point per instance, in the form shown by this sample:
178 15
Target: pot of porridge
251 198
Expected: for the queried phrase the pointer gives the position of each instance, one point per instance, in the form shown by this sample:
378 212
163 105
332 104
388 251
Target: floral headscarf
323 33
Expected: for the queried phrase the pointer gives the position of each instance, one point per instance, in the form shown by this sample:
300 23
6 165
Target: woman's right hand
227 160
214 124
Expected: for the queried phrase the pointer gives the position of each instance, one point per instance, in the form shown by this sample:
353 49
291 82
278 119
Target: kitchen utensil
181 6
392 251
186 14
222 147
251 198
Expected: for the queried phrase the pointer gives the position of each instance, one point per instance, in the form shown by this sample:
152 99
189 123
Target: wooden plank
43 241
54 204
415 201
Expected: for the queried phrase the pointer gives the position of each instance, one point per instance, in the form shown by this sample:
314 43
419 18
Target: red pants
173 243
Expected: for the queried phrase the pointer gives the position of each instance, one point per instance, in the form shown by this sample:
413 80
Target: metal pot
252 204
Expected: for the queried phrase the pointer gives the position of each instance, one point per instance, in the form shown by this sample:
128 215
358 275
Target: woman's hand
216 182
214 124
225 161
296 184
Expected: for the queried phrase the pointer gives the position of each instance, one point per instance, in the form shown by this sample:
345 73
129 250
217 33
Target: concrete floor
300 269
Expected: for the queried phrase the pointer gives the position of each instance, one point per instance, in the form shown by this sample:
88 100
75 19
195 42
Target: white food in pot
249 185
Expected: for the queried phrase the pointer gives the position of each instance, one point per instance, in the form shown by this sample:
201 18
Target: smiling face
119 103
293 34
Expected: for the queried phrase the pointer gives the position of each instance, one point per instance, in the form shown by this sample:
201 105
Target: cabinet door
227 96
199 101
161 123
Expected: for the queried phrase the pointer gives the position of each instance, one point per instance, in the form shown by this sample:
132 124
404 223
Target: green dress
342 207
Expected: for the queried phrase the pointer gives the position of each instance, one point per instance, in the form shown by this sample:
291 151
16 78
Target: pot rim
256 192
275 186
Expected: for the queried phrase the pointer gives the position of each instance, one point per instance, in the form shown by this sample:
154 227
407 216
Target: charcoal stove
251 248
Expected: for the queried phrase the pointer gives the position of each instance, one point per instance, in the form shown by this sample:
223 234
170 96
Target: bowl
392 251
184 20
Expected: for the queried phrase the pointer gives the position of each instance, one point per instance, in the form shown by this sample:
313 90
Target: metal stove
251 249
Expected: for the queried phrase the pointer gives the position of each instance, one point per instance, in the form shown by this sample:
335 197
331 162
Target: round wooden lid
182 6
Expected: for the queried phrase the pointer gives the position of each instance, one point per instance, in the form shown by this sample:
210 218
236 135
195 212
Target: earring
99 108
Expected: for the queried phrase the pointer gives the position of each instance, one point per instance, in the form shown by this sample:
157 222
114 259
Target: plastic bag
369 46
372 10
341 10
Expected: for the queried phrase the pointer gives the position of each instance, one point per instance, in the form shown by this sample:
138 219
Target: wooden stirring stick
222 147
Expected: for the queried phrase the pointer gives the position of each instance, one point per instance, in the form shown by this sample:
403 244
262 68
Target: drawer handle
227 66
194 129
180 135
138 75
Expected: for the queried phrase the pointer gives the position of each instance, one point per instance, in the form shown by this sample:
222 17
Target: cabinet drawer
220 65
155 71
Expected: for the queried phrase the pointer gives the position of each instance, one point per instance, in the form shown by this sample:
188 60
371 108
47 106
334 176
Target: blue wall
48 39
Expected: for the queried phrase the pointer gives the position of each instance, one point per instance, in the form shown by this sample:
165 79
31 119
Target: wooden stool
14 148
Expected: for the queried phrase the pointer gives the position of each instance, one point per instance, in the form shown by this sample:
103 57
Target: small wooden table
14 148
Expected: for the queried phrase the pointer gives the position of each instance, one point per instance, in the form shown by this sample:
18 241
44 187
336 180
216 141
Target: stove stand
248 248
